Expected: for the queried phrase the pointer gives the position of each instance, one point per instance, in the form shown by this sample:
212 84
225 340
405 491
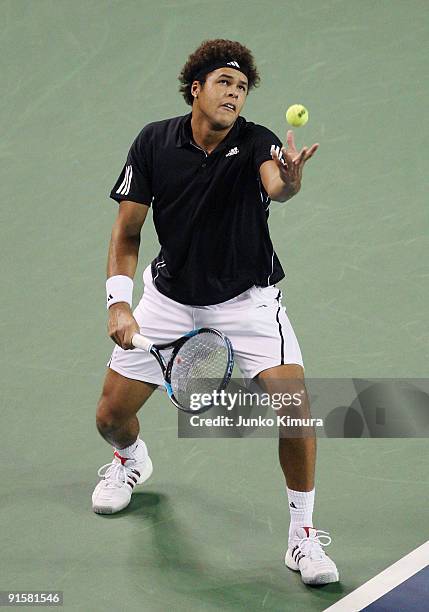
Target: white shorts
255 321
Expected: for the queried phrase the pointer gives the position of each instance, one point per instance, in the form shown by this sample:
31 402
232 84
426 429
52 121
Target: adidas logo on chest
233 151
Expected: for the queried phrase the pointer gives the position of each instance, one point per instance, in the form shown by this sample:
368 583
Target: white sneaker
305 554
113 493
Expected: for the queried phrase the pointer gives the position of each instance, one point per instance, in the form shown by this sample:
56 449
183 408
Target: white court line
384 582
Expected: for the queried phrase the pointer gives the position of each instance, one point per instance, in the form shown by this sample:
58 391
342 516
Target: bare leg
119 403
297 455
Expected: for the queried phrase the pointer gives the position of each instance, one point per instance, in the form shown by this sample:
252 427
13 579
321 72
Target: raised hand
290 168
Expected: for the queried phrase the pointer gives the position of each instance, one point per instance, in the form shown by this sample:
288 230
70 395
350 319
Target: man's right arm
122 260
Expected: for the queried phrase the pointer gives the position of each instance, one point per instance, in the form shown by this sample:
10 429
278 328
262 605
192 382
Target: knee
108 417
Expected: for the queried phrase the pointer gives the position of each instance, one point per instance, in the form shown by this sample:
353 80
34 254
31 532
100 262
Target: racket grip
141 342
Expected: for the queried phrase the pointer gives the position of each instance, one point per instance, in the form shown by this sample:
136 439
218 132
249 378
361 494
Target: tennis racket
201 362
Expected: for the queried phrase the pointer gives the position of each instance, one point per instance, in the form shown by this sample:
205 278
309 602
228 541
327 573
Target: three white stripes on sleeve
279 153
124 187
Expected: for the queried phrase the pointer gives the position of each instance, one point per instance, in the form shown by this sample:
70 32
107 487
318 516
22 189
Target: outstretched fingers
290 139
305 154
311 151
300 157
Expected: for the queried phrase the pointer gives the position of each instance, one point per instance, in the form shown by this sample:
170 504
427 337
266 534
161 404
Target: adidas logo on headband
215 65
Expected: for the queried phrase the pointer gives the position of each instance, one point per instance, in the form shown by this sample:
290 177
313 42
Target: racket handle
141 342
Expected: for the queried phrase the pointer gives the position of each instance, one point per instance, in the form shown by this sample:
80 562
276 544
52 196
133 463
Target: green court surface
208 532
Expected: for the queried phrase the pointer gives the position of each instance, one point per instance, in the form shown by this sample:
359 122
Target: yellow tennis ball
297 115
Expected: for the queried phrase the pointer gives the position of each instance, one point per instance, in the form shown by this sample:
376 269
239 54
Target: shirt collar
185 132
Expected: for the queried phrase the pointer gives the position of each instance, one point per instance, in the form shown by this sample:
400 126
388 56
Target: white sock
137 448
301 505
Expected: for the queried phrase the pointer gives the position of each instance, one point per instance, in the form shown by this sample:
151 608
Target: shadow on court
179 557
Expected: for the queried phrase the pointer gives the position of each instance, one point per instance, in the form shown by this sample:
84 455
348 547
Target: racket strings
199 367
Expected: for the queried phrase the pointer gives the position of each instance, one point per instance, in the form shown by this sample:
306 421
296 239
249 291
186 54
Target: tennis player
209 177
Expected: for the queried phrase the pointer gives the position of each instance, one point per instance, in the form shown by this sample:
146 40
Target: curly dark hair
211 51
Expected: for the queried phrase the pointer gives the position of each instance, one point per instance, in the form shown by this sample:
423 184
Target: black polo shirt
210 211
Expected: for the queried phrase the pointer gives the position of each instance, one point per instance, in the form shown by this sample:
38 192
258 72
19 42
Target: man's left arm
282 176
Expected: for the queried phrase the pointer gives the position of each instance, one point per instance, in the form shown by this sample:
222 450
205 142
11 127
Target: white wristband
119 288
